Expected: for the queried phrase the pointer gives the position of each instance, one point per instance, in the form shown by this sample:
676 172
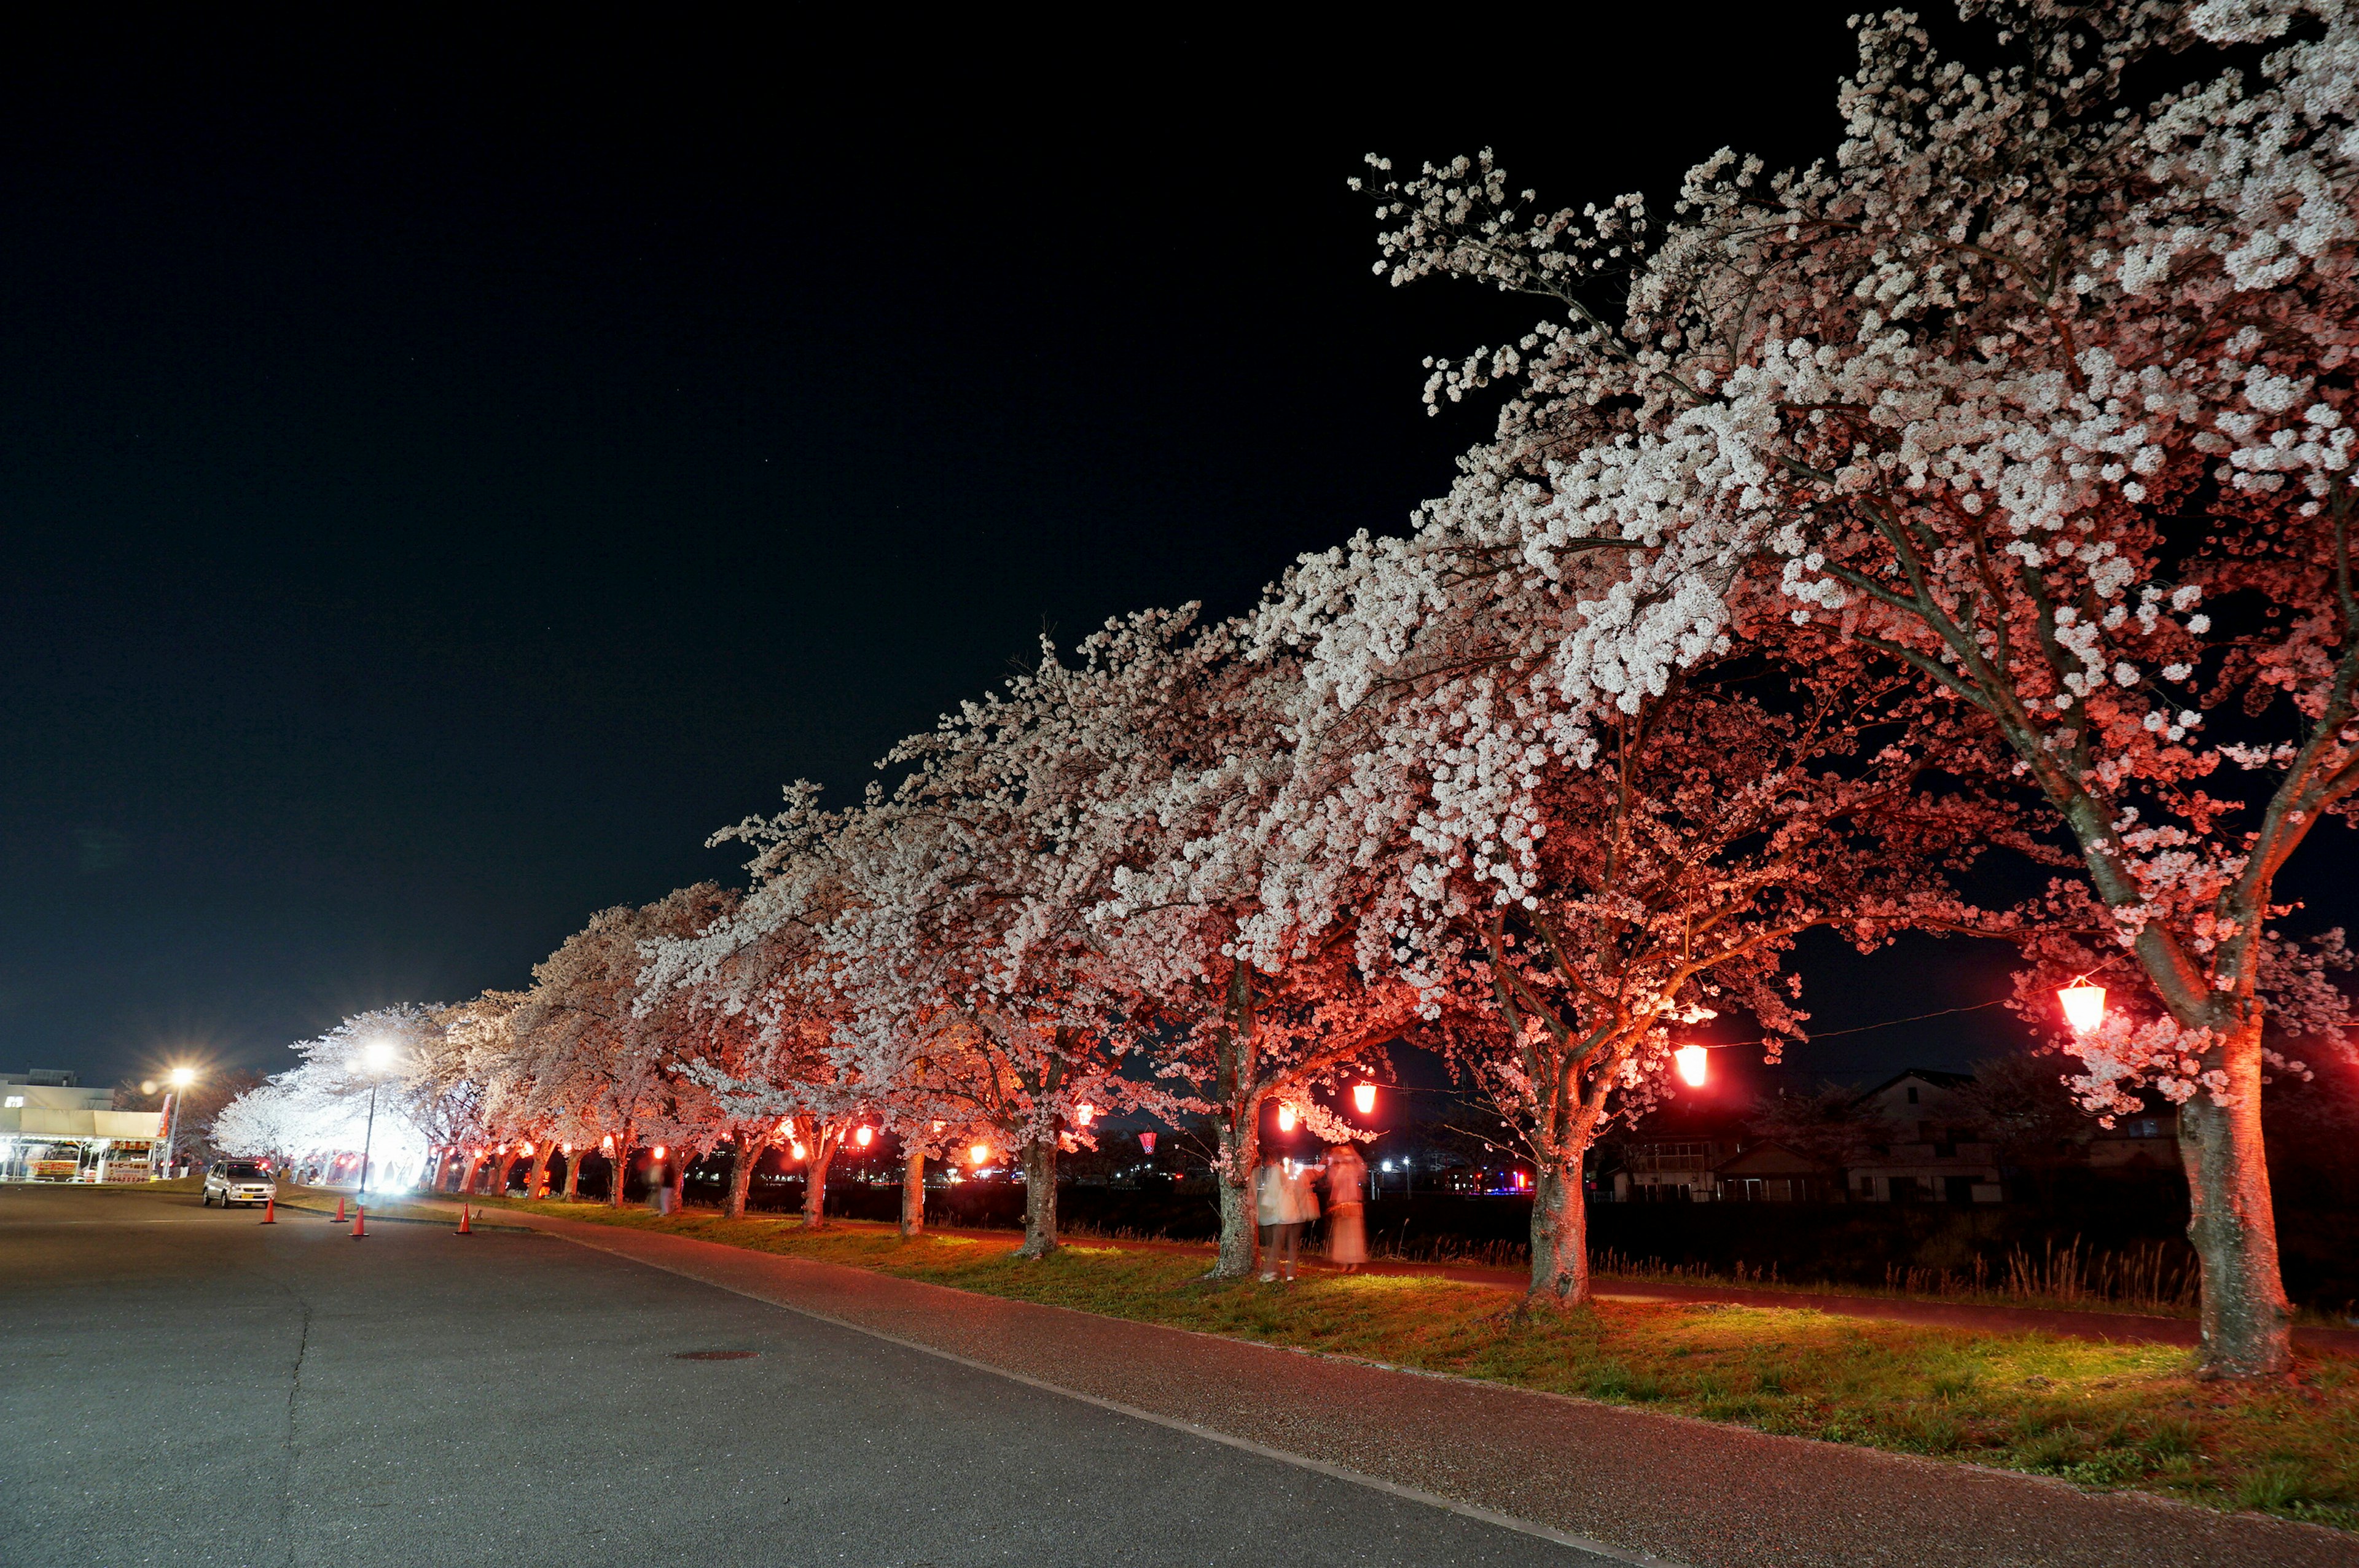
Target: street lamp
2084 1005
180 1078
377 1057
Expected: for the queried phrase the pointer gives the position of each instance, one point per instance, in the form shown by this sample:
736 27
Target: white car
230 1182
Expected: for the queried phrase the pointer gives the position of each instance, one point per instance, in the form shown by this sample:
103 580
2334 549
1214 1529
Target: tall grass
2153 1277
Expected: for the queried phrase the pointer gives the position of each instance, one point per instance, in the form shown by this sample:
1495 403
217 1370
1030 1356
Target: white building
52 1130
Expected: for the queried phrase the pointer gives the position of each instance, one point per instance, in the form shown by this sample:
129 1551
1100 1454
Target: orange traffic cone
466 1223
340 1210
270 1209
360 1229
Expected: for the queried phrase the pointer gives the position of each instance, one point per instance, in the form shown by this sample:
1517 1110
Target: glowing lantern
938 1127
607 1143
1690 1059
978 1153
1364 1098
797 1151
659 1150
1147 1142
523 1149
2084 1005
862 1137
1085 1113
1286 1119
565 1148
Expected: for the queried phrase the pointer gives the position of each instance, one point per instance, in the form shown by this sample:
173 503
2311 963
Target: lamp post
376 1055
180 1078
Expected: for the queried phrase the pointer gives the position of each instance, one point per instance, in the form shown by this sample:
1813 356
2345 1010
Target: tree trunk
1240 1215
618 1171
506 1169
1040 1199
573 1175
913 1194
1559 1237
539 1177
2247 1325
821 1153
474 1169
675 1178
1561 1210
743 1155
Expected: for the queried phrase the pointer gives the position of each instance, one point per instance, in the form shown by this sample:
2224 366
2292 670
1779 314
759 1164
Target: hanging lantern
1692 1069
501 1149
659 1150
977 1153
1147 1142
565 1148
523 1149
1364 1099
862 1136
606 1144
1285 1118
796 1151
938 1127
2084 1005
1085 1113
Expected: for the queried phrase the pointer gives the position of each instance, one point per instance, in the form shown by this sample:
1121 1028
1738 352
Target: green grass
2099 1415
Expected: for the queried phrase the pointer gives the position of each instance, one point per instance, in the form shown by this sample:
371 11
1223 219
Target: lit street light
180 1078
377 1057
2084 1005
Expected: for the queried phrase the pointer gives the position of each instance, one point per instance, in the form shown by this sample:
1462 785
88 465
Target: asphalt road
187 1387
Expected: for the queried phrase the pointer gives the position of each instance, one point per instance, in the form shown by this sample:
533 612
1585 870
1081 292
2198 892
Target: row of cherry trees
1982 486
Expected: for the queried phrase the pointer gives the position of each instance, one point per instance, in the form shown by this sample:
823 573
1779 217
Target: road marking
1300 1461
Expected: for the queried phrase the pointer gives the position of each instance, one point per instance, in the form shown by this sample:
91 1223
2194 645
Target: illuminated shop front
51 1129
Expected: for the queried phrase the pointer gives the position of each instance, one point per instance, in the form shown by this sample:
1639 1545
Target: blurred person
1347 1231
1270 1207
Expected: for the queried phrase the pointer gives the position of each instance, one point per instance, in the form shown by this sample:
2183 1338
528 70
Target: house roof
1936 1076
1769 1158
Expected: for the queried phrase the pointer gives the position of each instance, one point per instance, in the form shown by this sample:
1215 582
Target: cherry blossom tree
597 1069
2040 393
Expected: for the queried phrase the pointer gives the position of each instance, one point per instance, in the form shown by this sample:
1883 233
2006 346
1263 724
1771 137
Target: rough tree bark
1040 1199
1240 1149
744 1156
474 1169
913 1194
675 1176
1560 1215
618 1167
821 1153
539 1177
2246 1320
572 1176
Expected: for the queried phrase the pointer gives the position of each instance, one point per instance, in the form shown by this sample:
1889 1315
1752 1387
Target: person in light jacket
1283 1203
1347 1231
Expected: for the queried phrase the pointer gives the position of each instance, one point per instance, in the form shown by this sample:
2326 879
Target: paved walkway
1649 1487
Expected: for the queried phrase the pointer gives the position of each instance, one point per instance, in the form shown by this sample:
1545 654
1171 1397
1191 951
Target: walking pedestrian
1347 1230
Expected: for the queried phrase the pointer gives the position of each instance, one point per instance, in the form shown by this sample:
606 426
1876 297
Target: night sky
449 471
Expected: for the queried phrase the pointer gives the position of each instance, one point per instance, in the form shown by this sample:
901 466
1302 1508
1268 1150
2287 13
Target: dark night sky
449 471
